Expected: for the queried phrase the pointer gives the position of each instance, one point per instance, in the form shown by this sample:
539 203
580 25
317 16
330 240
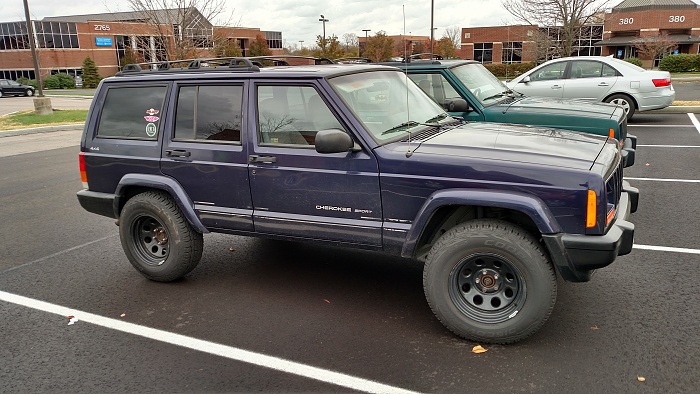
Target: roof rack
280 60
208 64
352 60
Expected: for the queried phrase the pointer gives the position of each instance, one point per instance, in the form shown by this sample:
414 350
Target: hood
552 106
515 143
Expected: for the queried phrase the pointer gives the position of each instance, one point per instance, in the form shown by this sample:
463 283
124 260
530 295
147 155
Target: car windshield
388 103
484 86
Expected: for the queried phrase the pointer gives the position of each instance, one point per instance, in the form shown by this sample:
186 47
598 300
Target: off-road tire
472 256
157 238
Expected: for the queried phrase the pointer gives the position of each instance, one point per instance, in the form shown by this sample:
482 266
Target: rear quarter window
132 112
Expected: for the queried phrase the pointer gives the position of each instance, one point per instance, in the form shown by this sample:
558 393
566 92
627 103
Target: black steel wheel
489 281
157 238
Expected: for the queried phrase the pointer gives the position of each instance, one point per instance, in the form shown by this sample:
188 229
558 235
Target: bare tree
350 43
568 16
454 33
182 27
654 47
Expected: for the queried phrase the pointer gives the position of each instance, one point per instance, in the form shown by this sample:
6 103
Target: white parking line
661 125
695 121
664 180
669 146
212 348
667 249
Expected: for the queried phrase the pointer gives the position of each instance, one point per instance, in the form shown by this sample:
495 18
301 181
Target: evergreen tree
91 77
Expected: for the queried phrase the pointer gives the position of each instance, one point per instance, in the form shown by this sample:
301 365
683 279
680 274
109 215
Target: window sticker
151 130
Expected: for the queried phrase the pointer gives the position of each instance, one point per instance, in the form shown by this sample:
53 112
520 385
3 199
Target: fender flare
160 182
528 204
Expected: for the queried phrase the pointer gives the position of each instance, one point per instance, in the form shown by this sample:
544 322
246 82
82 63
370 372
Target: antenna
405 73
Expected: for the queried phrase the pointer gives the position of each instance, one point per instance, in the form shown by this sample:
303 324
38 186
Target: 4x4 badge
151 129
152 111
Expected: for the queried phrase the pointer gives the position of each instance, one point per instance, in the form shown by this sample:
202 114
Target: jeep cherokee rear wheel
489 281
157 238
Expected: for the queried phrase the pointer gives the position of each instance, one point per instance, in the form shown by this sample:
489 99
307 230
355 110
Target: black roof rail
208 64
352 60
279 60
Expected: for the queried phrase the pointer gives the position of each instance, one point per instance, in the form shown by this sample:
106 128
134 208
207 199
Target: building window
483 52
274 39
512 52
13 35
56 35
16 74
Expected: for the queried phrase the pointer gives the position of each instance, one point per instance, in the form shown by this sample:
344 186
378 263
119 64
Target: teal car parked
467 89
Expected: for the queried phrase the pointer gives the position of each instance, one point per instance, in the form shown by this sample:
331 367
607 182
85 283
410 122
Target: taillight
591 212
659 83
83 174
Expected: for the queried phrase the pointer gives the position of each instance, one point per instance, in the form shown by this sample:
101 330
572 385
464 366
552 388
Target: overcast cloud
298 19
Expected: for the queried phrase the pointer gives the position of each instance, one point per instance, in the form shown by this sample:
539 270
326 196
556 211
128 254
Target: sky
299 19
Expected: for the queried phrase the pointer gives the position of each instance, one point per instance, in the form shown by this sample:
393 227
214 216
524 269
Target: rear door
589 80
204 151
297 191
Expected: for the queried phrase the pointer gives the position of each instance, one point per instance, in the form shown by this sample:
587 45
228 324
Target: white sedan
597 78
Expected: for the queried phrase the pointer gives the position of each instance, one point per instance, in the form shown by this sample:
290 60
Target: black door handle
177 153
262 159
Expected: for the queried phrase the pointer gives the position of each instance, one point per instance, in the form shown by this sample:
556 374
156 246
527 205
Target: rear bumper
577 256
662 98
99 203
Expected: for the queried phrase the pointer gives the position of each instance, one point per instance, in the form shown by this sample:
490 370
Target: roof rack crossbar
241 63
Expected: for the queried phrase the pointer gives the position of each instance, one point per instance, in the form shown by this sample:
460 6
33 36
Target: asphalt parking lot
269 316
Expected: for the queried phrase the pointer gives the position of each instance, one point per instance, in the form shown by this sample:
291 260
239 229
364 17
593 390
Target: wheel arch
445 209
636 105
133 184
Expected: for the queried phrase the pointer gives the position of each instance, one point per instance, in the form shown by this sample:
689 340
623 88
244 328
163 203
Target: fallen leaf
326 300
647 164
595 328
641 378
478 349
122 315
231 249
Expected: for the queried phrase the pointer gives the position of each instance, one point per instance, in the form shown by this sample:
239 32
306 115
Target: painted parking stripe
212 348
666 249
664 180
695 121
669 146
661 125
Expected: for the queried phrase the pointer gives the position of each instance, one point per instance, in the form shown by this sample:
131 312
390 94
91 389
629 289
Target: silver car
598 78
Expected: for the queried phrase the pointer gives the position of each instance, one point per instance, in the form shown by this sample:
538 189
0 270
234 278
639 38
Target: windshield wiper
431 121
400 127
497 95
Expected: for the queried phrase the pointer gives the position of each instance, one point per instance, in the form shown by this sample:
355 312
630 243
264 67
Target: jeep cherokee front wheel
157 239
489 281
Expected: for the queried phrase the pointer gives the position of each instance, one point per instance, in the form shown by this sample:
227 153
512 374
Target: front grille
613 188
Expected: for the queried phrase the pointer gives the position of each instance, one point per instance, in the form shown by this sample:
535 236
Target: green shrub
27 81
634 61
52 82
59 81
509 70
682 62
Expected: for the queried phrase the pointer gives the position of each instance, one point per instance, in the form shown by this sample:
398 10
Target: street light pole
42 105
358 44
301 43
432 8
324 20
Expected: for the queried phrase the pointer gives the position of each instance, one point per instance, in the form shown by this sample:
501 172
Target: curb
45 129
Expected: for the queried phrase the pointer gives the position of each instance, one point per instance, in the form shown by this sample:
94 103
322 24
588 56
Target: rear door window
132 112
209 113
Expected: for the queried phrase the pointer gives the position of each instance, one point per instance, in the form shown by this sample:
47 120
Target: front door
297 191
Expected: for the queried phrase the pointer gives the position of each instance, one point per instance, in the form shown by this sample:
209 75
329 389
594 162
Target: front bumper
576 256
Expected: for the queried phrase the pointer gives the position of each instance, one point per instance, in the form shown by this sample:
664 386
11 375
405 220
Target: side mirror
457 105
525 80
333 141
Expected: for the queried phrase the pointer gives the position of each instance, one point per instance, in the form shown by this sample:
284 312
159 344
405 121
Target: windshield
387 103
484 86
